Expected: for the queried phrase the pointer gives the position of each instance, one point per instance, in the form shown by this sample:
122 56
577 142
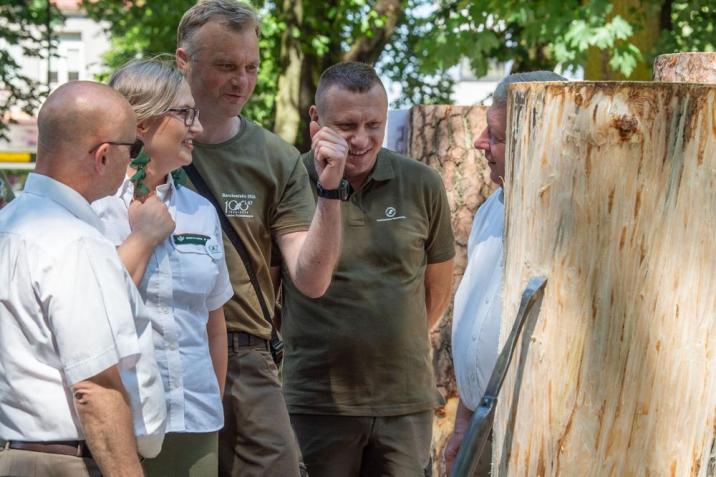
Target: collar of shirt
383 170
44 186
165 191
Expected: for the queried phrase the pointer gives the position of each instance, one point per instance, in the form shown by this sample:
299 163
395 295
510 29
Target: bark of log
611 193
442 137
686 68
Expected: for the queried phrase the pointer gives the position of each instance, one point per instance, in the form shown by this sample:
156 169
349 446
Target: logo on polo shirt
390 214
238 205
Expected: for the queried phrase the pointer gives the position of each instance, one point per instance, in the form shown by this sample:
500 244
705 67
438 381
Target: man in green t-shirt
358 379
263 189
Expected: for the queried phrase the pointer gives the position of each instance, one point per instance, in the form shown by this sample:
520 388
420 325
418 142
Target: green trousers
353 446
186 454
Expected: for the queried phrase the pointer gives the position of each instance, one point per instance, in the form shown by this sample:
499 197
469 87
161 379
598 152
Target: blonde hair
233 14
151 86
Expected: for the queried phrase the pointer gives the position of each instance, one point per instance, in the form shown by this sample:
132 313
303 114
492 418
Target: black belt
238 339
73 448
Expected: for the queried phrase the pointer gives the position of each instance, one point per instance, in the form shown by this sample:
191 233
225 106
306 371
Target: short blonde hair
233 14
151 86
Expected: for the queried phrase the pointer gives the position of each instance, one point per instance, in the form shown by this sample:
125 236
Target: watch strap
341 193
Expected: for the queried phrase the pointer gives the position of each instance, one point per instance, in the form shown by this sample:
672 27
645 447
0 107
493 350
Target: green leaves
23 24
430 37
544 34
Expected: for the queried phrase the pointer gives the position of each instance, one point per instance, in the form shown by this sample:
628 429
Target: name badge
191 239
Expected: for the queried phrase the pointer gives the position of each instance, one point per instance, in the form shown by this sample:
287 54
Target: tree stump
686 68
442 137
611 194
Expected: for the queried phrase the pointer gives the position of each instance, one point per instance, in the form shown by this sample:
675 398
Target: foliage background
412 42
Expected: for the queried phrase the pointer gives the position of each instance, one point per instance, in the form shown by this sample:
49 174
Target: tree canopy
24 23
414 42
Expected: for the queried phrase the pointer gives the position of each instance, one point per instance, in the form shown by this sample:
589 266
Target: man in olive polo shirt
263 189
358 379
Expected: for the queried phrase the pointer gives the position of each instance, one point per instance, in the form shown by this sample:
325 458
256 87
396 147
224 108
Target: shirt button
173 347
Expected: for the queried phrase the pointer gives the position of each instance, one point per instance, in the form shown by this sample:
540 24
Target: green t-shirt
362 349
263 187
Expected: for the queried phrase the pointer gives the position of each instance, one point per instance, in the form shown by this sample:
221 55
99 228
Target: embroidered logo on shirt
390 214
190 239
238 205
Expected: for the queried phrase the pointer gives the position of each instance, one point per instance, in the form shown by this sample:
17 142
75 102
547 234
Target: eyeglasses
189 114
134 147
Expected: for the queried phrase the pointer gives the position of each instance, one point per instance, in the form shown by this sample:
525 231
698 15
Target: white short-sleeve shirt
68 311
478 303
186 277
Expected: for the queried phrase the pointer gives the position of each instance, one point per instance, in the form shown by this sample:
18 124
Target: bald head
79 126
79 114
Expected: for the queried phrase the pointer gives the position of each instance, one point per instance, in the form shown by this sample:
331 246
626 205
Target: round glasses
189 115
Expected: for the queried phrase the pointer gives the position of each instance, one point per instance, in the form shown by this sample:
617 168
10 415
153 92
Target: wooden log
692 67
611 194
442 137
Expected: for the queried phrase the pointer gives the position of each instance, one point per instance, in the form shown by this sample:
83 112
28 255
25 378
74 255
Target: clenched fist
151 220
330 152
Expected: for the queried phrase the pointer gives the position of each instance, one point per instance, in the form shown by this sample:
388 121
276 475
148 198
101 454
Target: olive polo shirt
362 349
262 185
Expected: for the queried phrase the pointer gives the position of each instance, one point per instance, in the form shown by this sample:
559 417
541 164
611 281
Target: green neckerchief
140 164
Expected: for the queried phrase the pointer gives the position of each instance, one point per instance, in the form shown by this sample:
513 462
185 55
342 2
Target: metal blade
533 292
478 433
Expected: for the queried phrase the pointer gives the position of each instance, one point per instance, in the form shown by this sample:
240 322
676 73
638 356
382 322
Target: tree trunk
442 136
610 193
649 19
302 65
686 68
288 94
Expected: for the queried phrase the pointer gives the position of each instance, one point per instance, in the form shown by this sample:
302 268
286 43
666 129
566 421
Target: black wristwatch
343 192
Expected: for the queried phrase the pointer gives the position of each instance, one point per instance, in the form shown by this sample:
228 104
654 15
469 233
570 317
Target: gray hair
233 14
151 86
349 75
499 97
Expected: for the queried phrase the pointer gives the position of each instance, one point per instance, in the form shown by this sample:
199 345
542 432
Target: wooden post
611 193
442 137
686 68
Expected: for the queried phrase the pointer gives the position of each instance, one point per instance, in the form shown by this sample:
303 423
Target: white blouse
186 277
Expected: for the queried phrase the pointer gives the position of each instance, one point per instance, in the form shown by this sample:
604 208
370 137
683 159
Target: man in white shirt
478 301
77 370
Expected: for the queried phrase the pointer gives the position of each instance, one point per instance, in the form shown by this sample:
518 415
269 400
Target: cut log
442 137
686 68
611 193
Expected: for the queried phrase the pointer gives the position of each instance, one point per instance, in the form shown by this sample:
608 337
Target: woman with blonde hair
181 273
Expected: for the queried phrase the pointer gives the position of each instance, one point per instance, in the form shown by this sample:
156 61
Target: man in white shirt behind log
78 377
478 301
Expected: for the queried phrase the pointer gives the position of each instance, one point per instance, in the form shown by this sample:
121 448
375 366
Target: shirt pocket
196 268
